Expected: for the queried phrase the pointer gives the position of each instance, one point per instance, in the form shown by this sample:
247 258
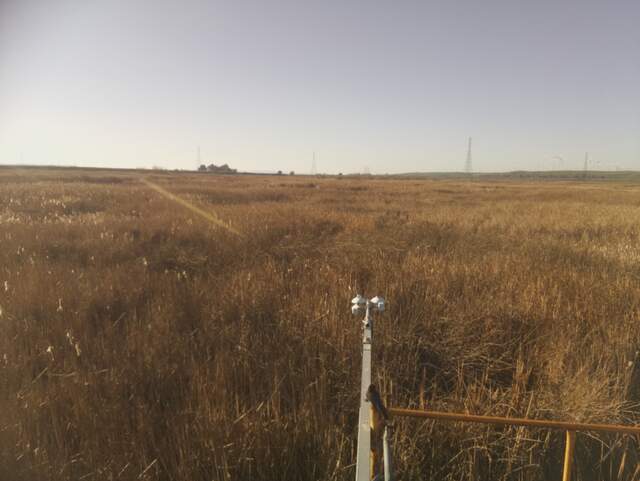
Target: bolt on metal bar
536 423
380 442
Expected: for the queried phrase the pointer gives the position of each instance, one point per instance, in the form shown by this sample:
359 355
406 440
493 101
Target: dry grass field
140 341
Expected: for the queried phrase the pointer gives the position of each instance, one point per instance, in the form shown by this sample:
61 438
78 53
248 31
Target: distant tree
292 173
279 172
225 169
202 168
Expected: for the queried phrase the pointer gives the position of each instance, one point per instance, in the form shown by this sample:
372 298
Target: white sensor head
378 303
358 304
359 301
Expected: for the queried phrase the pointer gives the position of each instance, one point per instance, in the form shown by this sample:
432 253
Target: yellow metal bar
536 423
568 455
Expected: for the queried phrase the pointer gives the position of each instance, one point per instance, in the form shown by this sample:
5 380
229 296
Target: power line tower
314 170
585 168
468 167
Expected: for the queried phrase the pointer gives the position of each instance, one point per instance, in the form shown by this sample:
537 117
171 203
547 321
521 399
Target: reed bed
140 341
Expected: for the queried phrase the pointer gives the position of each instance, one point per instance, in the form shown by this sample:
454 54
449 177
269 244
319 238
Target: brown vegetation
140 341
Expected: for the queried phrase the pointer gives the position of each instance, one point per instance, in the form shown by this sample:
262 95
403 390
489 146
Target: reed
140 341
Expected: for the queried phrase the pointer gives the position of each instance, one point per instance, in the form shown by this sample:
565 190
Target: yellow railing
374 450
569 427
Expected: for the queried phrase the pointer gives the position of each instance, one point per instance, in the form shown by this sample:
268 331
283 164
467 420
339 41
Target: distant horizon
309 174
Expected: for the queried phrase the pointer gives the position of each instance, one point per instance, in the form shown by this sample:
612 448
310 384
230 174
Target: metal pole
386 454
365 461
568 455
363 467
375 437
534 423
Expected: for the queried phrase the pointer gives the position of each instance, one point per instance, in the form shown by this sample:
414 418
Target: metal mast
369 428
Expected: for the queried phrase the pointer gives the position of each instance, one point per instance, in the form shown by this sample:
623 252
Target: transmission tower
468 167
586 163
314 170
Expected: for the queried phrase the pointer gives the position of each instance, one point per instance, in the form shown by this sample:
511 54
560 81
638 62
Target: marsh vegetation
140 341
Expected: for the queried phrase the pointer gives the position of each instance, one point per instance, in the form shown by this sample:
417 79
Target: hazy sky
395 85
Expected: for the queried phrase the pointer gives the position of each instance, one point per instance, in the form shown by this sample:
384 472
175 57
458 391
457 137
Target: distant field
142 341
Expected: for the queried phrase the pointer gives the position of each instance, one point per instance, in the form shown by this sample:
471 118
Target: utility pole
468 167
586 164
314 170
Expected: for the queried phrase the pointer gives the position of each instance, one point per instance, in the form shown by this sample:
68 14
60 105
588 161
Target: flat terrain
142 340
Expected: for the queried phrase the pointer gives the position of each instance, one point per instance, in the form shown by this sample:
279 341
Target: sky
385 86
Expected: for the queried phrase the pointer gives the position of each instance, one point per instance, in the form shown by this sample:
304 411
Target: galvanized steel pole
363 468
364 465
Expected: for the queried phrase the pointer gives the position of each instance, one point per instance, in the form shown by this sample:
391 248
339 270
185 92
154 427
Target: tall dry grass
140 342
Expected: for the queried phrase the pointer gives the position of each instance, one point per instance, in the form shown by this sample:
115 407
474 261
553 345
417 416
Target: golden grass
140 341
